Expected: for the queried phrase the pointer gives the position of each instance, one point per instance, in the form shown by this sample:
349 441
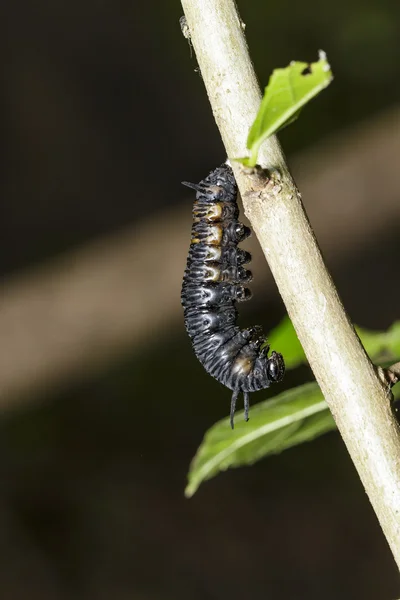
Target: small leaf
284 339
381 344
375 342
293 417
378 344
287 92
245 161
394 338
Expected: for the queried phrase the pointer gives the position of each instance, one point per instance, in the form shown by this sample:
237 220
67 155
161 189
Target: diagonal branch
358 399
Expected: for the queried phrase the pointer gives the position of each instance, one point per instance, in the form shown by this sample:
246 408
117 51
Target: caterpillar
213 283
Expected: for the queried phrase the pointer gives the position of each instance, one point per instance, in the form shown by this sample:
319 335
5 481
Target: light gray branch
359 401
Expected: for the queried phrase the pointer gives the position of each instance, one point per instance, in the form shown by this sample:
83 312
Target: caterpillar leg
246 398
233 405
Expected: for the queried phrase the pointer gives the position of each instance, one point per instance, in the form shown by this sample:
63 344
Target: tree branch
358 399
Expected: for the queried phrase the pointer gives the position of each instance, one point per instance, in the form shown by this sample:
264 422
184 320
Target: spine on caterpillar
213 283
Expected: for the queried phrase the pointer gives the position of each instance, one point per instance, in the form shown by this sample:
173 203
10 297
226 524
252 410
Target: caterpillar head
218 186
275 367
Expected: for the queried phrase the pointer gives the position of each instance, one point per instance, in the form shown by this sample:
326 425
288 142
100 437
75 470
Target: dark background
103 115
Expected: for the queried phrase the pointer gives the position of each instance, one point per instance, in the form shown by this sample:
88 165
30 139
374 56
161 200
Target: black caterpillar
212 284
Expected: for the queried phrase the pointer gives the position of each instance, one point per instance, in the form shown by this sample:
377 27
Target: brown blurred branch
76 312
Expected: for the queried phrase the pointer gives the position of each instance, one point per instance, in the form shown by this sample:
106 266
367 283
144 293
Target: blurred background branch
89 306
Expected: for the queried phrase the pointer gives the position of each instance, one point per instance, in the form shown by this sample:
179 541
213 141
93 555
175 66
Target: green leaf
293 417
393 339
287 92
381 344
284 339
378 344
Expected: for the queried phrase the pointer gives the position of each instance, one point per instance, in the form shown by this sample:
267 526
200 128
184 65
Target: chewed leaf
293 417
287 92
